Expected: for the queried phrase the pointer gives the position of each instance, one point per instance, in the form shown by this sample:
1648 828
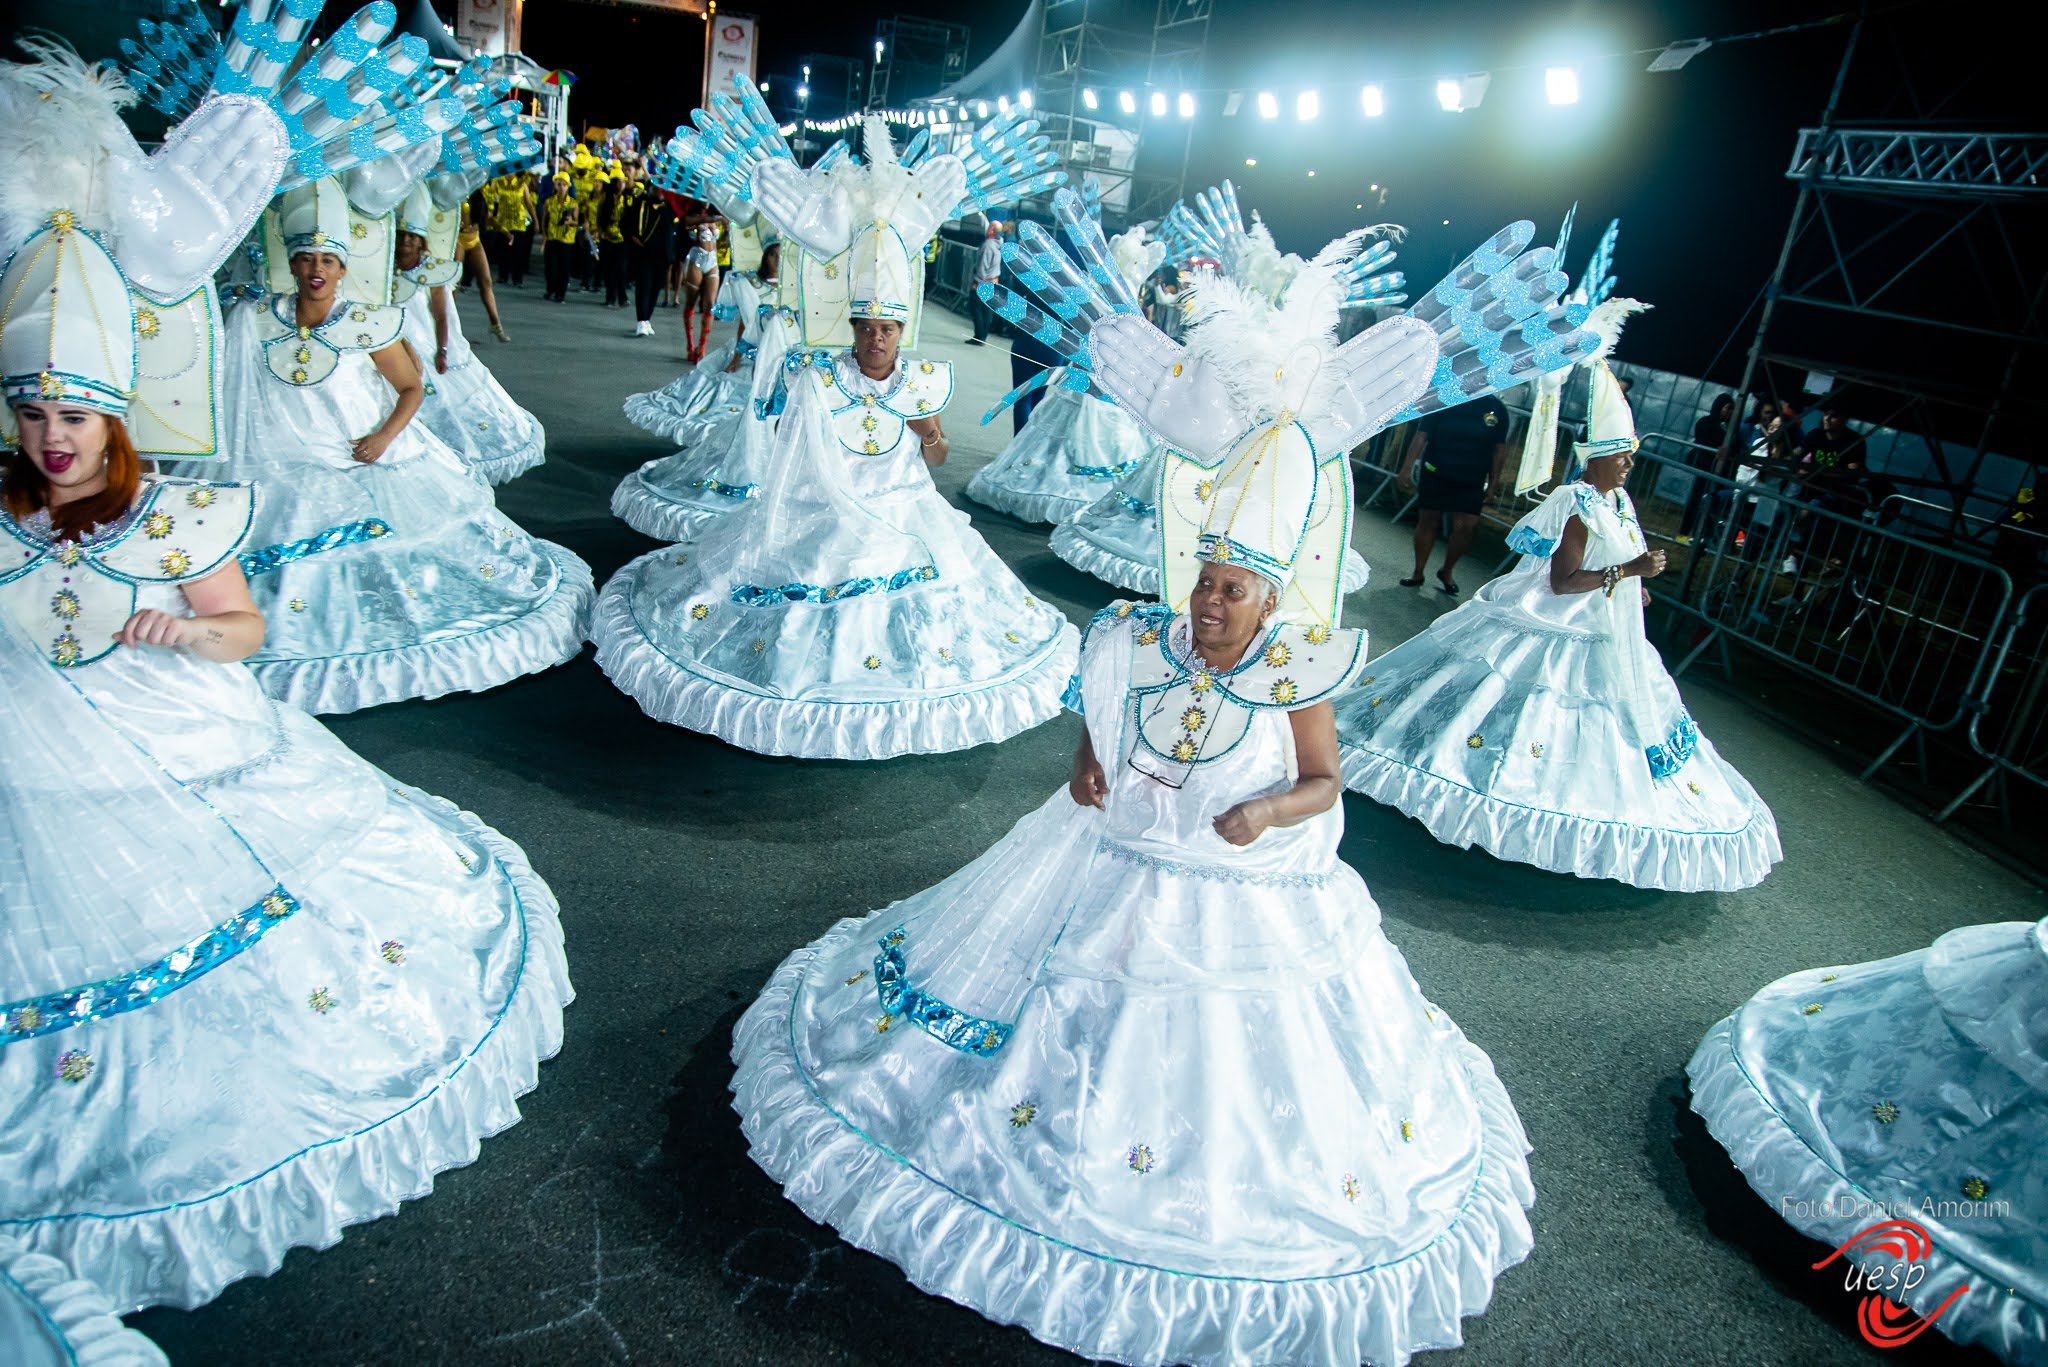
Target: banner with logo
490 27
728 52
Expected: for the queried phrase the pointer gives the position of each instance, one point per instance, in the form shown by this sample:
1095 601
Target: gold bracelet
1611 576
934 439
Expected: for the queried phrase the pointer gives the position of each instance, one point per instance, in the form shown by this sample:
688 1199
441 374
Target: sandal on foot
1414 583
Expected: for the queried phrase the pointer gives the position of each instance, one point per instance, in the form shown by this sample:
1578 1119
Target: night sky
1692 162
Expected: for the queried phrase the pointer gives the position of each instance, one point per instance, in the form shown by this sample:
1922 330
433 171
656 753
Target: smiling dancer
252 989
1053 1087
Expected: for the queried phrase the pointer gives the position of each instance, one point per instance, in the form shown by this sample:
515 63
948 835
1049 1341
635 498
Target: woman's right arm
1567 577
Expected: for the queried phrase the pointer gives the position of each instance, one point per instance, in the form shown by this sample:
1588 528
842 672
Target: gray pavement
621 1221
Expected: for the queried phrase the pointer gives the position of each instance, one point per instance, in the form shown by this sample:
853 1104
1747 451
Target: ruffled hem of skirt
79 1316
1642 856
510 466
185 1254
660 416
545 636
1024 504
882 729
951 1247
1823 1204
649 514
1084 555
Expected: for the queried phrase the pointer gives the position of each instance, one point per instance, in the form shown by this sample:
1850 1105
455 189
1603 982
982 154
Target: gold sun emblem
1278 654
63 220
199 498
1284 692
699 611
175 562
146 323
1192 719
1204 489
1475 741
157 525
1318 634
872 662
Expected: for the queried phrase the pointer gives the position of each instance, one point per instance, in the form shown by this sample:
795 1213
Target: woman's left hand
153 628
1244 823
366 449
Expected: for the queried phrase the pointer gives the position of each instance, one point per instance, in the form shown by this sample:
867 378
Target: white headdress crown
1610 425
68 333
314 217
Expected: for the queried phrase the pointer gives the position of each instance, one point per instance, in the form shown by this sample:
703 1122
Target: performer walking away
1463 452
1057 1086
254 989
385 568
1917 1083
469 250
611 213
1537 721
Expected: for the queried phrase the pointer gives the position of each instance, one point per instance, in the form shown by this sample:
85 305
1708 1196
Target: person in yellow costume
508 217
561 223
586 174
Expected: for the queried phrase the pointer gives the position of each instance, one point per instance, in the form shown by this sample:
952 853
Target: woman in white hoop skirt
464 406
1537 721
381 561
1913 1087
1146 1078
252 990
710 413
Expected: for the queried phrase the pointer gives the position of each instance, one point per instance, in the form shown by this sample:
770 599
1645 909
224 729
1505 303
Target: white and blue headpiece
314 217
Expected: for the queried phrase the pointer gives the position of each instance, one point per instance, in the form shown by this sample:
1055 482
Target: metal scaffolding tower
1108 89
915 58
1905 274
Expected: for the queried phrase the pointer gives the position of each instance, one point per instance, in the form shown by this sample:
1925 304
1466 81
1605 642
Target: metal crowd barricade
2009 723
1902 625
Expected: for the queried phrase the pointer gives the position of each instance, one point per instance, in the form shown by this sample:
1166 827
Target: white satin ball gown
1543 727
1072 448
1154 1097
1116 538
252 989
381 581
465 406
1914 1087
709 412
49 1317
846 612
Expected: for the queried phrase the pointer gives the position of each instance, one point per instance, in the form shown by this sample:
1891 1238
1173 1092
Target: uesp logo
1883 1321
732 33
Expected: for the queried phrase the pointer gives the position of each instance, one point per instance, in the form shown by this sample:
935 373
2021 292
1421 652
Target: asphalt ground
621 1220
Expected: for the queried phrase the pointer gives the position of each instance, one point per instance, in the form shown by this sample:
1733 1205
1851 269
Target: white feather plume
60 115
1136 256
1606 321
1270 356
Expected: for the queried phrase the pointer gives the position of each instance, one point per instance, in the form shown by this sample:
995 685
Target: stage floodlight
1307 105
1269 107
1447 93
1002 104
1311 173
1088 99
803 92
1232 103
1187 105
1251 161
764 87
1127 102
1024 98
1373 99
1159 104
981 109
1561 84
878 52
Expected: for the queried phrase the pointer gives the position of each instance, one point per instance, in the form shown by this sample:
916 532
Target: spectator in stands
1461 451
1709 435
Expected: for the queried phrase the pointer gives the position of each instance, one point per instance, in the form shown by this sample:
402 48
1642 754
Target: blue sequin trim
1106 471
1135 505
956 1029
1213 873
755 596
54 1011
1071 697
1668 758
333 539
1217 549
1524 541
712 486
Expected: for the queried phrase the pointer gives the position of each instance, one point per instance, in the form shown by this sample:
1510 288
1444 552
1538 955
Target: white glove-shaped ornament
806 211
1380 372
183 210
1150 376
379 186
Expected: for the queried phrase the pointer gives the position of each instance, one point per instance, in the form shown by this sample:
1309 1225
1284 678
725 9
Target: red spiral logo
1887 1325
1900 1240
